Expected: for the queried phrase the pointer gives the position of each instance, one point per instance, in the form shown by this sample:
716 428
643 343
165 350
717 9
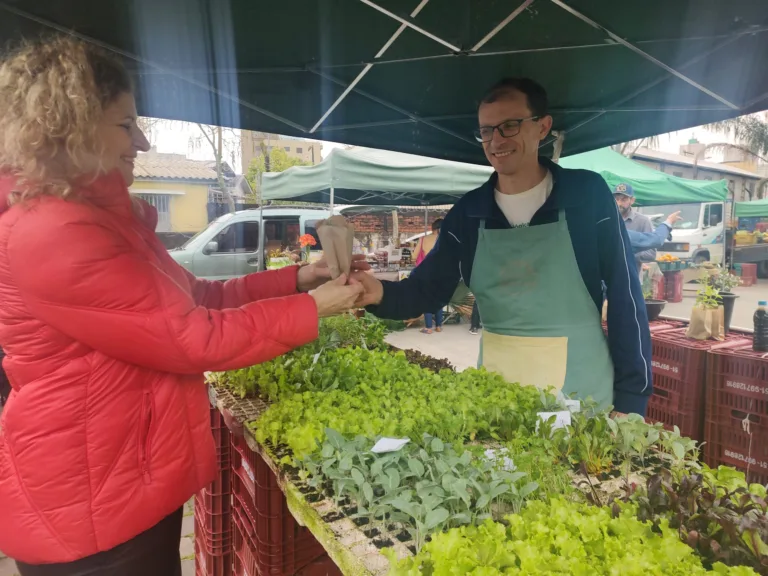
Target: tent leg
426 220
263 251
558 145
331 200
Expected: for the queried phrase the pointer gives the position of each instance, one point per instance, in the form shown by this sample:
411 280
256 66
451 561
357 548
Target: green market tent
372 177
755 208
407 75
652 188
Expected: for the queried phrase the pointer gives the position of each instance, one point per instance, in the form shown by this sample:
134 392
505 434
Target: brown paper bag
336 236
707 323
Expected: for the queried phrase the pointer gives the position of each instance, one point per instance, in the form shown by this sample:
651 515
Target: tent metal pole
558 145
368 66
644 54
262 243
426 219
331 200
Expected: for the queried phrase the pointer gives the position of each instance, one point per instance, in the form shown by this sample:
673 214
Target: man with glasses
536 244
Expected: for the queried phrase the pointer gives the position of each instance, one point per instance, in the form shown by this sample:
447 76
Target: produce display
486 477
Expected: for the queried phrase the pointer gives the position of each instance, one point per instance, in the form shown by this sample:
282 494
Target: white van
699 236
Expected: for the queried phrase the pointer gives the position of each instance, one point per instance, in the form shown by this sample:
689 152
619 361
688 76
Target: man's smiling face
506 155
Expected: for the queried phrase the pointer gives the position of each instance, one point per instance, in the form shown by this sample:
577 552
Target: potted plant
307 241
724 282
653 307
707 318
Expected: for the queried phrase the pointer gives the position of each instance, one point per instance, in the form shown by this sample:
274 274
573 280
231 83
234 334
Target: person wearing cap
536 244
624 195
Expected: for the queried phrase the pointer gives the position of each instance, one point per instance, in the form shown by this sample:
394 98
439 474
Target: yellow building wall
188 211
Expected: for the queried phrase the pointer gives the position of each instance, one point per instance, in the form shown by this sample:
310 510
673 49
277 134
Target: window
287 148
678 174
240 237
310 227
707 177
299 150
162 203
713 215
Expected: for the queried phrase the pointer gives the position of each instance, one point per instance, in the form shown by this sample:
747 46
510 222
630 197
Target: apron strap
482 224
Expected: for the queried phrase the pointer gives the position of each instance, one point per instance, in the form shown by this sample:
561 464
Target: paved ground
186 550
742 310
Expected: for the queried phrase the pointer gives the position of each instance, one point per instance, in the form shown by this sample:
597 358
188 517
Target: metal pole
426 220
558 145
331 200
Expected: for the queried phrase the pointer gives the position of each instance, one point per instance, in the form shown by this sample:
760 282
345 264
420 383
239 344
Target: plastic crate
738 381
673 286
213 507
657 326
323 566
209 564
279 545
727 443
748 274
679 377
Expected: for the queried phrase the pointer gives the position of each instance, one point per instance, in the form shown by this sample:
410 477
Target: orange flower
307 240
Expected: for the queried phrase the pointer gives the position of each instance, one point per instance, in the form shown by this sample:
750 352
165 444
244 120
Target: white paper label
507 463
562 419
573 406
389 445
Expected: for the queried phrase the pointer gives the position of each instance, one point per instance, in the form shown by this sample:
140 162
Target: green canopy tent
373 177
652 188
407 75
753 209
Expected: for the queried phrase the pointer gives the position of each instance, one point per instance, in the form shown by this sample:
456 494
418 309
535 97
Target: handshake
357 290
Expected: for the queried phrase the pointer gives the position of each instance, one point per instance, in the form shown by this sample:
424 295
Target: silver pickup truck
229 246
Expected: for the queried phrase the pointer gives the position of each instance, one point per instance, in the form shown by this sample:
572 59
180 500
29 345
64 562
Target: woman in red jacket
106 433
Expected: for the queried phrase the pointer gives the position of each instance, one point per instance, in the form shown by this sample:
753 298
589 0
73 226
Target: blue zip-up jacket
603 254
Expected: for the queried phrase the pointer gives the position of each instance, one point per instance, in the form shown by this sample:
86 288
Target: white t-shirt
520 208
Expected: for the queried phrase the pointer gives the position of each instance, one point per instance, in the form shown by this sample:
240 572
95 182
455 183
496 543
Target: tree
749 133
278 162
214 136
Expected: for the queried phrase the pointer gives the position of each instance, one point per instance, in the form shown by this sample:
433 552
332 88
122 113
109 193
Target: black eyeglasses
507 129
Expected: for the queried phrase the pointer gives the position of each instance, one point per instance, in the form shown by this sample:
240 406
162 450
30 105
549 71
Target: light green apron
541 326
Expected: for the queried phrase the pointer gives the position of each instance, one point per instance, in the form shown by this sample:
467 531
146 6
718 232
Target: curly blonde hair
52 96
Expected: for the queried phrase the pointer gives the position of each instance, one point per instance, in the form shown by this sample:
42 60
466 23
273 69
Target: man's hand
373 289
314 275
673 219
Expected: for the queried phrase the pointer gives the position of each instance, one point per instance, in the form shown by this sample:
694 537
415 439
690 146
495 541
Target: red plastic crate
213 508
673 286
738 380
323 566
679 377
658 326
209 564
260 509
726 443
748 274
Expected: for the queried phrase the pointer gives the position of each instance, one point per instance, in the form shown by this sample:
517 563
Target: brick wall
373 230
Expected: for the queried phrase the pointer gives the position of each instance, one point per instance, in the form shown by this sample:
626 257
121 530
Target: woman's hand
673 219
336 296
314 275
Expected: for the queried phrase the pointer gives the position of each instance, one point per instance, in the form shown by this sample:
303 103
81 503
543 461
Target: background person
106 433
624 195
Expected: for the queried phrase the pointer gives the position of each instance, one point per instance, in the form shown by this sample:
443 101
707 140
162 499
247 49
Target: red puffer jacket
107 429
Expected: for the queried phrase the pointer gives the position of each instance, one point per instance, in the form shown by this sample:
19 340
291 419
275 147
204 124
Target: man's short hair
534 94
436 225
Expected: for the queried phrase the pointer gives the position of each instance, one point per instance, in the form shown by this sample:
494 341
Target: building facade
180 189
251 147
742 183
